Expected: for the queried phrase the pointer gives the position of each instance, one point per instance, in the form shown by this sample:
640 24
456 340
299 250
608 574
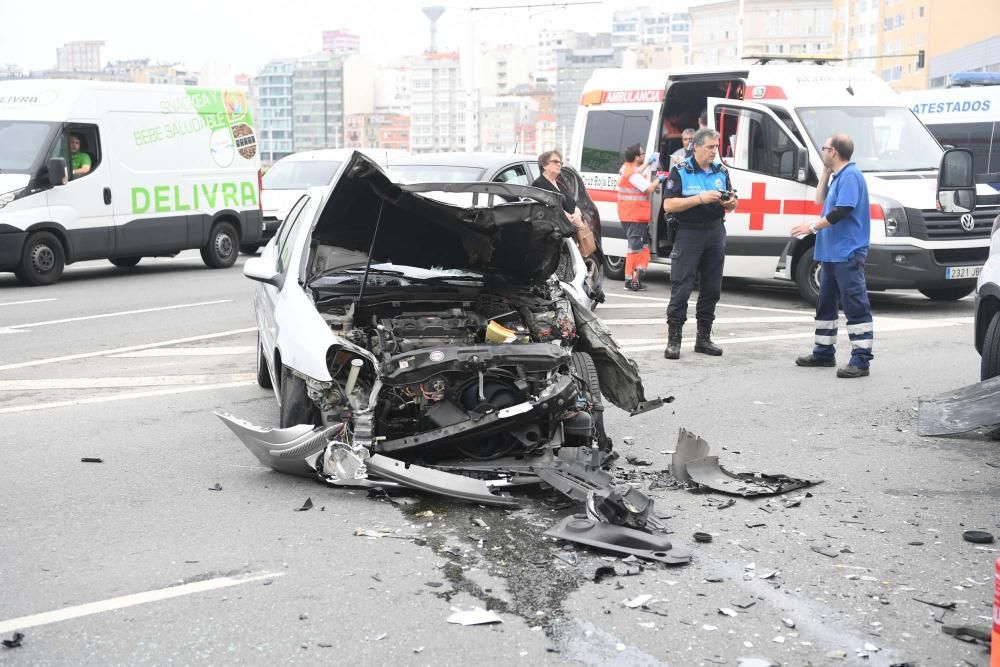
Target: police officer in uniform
698 193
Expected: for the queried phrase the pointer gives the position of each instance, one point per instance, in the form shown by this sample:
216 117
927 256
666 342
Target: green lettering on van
161 199
229 195
140 200
210 194
248 193
178 206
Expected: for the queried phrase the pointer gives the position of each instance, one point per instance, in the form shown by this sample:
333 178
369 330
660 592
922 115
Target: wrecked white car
433 336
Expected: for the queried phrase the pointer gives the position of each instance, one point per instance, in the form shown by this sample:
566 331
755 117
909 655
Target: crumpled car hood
519 239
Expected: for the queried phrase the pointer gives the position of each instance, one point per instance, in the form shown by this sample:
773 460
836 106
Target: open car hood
507 229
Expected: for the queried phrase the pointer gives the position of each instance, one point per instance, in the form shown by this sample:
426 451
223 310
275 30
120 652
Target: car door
277 254
769 168
516 174
83 204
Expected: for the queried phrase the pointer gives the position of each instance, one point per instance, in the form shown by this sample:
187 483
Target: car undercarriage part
436 481
619 539
689 448
630 507
970 408
707 472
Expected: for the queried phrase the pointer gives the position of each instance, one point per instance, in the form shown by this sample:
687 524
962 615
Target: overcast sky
246 35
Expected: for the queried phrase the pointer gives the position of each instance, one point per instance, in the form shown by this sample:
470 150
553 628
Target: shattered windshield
300 174
22 143
885 138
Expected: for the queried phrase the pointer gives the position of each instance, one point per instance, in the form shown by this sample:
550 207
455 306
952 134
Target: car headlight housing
996 225
7 198
893 216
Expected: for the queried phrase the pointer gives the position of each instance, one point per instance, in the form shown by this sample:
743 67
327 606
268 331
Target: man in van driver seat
79 160
698 193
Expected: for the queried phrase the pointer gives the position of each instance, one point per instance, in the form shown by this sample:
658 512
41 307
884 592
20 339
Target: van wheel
250 248
947 293
42 260
222 248
807 277
125 262
614 267
263 376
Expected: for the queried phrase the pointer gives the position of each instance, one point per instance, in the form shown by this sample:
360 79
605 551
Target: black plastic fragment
977 536
91 459
307 505
968 633
14 641
620 539
217 487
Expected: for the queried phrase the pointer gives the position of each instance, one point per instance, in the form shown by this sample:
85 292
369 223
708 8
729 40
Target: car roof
341 154
481 160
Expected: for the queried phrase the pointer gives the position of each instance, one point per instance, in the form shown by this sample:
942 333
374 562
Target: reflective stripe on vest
633 204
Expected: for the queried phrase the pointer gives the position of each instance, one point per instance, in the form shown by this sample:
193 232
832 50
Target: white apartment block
438 120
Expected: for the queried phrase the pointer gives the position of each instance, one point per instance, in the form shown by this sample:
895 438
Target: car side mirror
256 268
956 186
58 174
801 165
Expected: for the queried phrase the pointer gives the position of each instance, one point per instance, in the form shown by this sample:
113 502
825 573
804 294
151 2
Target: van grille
952 256
937 226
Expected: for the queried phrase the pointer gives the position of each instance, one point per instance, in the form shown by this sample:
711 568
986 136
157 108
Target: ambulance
772 120
118 171
964 116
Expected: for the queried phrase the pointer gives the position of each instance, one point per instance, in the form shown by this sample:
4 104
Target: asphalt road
138 560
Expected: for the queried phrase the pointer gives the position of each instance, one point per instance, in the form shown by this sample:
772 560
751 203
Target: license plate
955 272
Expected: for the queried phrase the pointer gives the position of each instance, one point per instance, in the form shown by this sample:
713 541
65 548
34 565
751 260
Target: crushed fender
972 408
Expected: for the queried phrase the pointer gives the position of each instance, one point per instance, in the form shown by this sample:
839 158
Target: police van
964 116
118 171
772 119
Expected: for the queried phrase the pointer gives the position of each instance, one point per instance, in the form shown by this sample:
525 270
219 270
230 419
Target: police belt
702 226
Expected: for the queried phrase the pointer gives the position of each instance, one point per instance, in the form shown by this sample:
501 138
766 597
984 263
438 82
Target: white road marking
119 350
4 331
764 319
882 325
124 601
33 325
117 382
18 303
123 397
187 352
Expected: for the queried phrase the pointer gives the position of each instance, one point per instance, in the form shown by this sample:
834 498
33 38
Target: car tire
990 364
583 366
125 262
296 408
222 248
614 267
947 293
807 277
43 259
263 375
250 248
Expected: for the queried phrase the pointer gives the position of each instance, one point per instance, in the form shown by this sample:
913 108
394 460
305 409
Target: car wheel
42 260
296 408
990 365
614 267
125 262
263 376
807 277
222 248
250 248
583 366
947 293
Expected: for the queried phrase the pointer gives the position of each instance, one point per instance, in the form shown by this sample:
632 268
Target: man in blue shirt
842 237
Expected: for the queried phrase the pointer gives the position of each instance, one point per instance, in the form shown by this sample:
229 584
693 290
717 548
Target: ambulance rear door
769 168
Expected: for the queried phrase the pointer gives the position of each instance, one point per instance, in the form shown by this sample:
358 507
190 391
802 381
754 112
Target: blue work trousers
843 284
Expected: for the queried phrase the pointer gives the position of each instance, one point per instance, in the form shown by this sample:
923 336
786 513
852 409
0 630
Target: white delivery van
963 117
171 168
289 178
772 119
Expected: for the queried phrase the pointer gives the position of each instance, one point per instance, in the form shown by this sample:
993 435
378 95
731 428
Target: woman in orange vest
633 212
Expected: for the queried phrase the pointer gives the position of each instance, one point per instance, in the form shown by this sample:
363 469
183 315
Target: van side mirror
956 186
801 165
257 268
58 174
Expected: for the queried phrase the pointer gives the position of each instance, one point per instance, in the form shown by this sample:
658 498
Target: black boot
673 350
703 343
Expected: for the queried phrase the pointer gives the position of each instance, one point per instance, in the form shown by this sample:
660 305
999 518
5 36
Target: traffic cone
995 640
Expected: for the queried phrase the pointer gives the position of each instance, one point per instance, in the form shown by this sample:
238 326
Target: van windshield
885 138
23 144
300 174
